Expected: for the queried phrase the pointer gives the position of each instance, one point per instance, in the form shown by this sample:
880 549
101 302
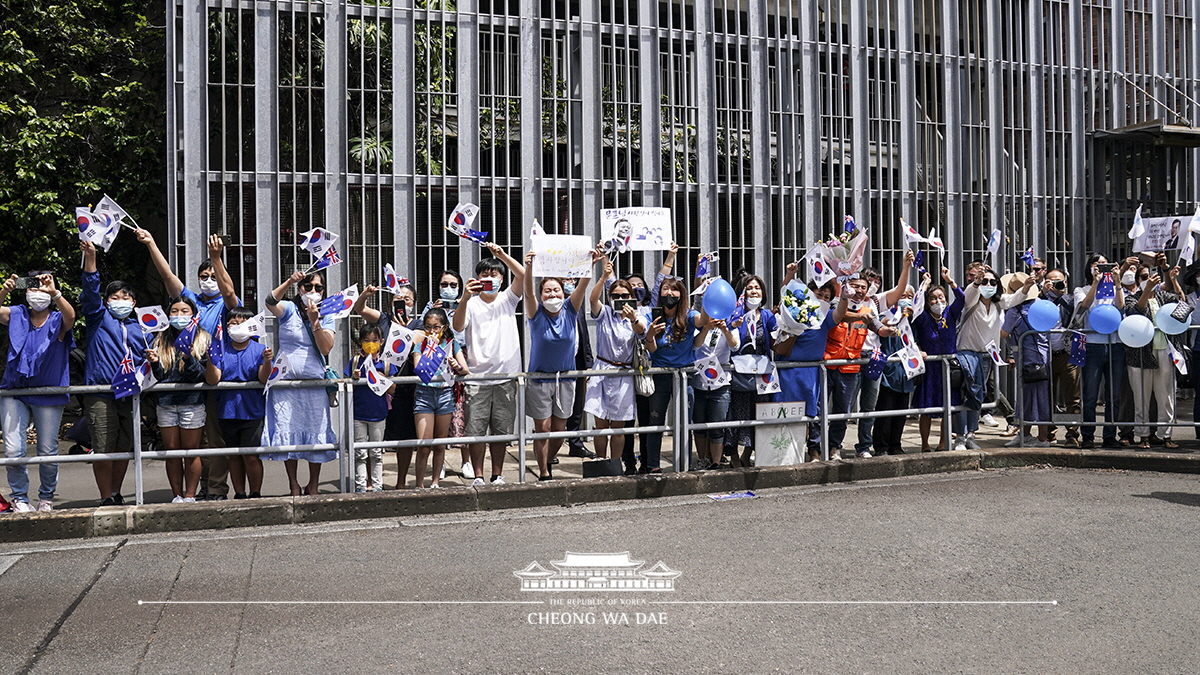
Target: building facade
760 123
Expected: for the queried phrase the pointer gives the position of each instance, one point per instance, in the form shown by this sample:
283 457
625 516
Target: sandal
1145 444
1170 444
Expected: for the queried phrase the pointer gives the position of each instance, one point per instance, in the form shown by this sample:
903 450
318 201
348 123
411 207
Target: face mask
449 293
1129 278
987 291
209 286
753 303
313 298
639 293
938 308
568 288
179 322
238 333
37 300
553 305
669 301
904 303
120 308
1142 286
370 347
435 333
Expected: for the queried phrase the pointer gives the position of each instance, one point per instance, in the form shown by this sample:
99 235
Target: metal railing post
346 446
520 429
1019 390
683 442
947 431
137 450
823 380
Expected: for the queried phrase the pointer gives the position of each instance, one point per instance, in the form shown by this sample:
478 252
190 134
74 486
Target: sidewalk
77 489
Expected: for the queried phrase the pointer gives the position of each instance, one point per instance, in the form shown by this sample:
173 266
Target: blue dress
299 416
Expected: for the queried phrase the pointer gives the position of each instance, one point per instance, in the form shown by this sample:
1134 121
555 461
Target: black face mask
669 301
639 293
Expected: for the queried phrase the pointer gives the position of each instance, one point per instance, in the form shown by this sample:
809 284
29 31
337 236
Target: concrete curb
125 520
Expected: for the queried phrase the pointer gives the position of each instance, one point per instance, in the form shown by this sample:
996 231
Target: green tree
82 114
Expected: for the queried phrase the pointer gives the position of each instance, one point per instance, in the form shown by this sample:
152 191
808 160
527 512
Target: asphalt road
1010 571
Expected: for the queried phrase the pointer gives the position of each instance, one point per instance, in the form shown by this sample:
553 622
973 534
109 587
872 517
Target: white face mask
37 300
208 286
938 308
311 298
239 332
753 302
553 305
1129 278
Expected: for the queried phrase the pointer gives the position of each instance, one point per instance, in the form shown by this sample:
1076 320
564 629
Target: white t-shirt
493 343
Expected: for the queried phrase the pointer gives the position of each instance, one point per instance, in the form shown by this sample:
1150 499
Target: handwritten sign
561 255
636 228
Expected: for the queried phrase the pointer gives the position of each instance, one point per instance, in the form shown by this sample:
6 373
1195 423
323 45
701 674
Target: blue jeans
15 416
977 370
843 387
867 397
1104 364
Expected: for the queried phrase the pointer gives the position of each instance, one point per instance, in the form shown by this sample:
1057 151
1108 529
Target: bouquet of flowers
843 253
800 310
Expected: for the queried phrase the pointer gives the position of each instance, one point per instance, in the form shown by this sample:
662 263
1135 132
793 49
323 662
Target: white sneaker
971 443
865 454
45 505
988 421
1035 443
478 482
467 471
1021 440
22 507
959 446
178 499
836 454
498 480
189 500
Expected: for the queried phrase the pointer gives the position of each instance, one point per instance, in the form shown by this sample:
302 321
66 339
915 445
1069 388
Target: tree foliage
82 114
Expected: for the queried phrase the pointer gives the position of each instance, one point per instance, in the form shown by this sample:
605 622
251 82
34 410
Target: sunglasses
989 282
620 296
312 287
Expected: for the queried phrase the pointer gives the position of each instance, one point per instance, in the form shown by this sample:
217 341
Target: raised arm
276 295
893 296
369 314
224 281
264 368
89 298
532 302
581 286
518 283
598 289
5 311
60 302
172 283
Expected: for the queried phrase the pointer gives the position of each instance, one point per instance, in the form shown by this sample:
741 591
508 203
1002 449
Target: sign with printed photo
636 228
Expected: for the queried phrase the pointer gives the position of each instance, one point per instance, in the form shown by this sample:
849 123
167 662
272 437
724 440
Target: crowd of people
211 338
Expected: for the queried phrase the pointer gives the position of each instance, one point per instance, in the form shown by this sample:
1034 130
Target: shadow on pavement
1184 498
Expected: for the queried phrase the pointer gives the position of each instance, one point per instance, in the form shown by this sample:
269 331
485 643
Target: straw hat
1013 281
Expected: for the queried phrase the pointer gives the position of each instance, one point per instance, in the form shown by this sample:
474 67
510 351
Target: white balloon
1136 331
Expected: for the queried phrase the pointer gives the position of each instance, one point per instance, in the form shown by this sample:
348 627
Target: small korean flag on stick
914 365
460 222
152 319
375 380
338 306
279 371
1138 228
910 234
145 376
317 241
994 352
936 241
1177 358
398 346
392 281
107 206
256 325
768 383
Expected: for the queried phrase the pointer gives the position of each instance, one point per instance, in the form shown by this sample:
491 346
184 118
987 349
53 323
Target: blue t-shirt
552 340
676 354
107 337
810 345
211 311
241 366
36 357
369 406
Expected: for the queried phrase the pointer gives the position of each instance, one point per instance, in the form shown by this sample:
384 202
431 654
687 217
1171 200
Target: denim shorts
183 416
434 401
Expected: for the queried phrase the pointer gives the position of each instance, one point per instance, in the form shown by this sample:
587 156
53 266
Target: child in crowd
370 408
179 356
241 411
610 399
435 399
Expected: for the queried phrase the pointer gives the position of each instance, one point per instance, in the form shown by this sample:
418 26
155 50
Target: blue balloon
719 300
1136 331
1043 315
1104 319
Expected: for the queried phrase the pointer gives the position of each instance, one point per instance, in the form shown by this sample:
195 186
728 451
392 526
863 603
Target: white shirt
979 325
493 343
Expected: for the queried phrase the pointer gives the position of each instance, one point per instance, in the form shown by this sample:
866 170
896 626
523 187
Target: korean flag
914 365
994 351
768 383
375 380
398 346
711 374
279 371
152 319
317 241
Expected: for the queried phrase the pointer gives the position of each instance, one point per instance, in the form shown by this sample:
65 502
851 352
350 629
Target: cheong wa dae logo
597 572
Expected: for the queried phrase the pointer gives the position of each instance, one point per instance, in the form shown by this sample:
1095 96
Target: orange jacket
845 341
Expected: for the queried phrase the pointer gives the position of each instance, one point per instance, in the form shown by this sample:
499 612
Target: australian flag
919 261
330 259
1027 256
702 267
216 350
430 362
849 224
125 382
183 342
